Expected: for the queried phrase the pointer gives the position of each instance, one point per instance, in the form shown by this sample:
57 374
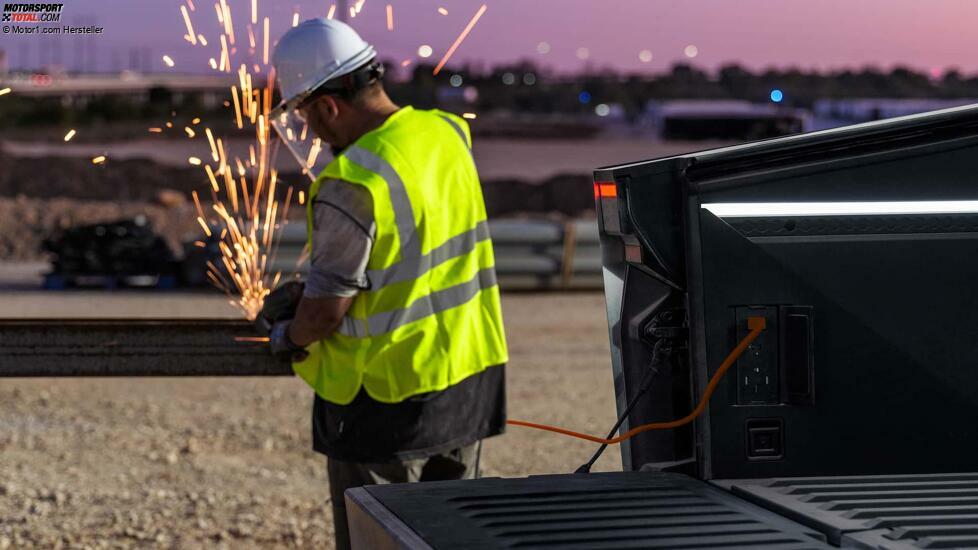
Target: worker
399 328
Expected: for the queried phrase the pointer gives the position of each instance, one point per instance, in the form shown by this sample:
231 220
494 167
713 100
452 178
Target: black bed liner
609 510
664 510
903 511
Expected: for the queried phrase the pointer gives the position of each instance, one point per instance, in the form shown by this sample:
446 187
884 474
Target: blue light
584 97
777 95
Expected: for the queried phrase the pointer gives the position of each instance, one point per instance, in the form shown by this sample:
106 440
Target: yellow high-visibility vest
432 314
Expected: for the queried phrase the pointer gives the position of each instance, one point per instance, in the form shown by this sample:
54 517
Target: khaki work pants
461 463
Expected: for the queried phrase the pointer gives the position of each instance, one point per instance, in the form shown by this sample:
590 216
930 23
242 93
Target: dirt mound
142 180
41 196
78 178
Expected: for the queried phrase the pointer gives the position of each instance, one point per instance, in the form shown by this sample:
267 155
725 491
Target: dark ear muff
348 84
364 77
377 71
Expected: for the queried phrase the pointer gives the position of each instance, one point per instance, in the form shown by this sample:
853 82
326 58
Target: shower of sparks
155 130
295 19
168 61
332 12
443 11
190 3
228 21
5 91
202 40
353 12
390 17
243 215
237 107
225 63
458 41
99 159
191 35
469 116
264 54
251 339
405 63
203 224
69 135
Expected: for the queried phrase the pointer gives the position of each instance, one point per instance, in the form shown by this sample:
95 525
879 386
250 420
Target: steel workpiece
134 347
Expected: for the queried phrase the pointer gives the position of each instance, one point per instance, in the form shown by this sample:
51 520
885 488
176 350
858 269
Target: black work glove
280 305
283 346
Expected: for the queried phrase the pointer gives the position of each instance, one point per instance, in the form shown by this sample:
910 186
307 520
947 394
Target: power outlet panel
758 381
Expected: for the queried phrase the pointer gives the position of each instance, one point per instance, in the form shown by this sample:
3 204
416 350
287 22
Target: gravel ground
178 463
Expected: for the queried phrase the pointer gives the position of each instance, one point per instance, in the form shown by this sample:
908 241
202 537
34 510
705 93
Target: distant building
839 112
456 96
724 120
138 88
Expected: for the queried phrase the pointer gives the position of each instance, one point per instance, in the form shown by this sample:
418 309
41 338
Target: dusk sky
925 34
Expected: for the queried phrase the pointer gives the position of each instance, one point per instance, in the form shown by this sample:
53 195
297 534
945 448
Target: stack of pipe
529 254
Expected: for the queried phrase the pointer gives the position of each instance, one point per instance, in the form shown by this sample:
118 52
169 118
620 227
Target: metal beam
133 347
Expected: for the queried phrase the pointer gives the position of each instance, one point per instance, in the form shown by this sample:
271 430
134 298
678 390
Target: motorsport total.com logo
32 13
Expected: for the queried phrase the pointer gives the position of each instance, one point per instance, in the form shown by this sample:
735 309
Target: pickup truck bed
849 422
610 510
908 511
663 510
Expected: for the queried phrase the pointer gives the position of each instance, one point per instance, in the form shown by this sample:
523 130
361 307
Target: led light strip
777 209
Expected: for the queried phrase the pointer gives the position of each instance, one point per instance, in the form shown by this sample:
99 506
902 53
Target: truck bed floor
595 511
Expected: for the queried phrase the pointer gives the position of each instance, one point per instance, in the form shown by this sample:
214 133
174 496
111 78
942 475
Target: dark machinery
852 421
108 255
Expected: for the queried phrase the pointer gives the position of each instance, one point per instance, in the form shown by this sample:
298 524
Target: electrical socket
757 368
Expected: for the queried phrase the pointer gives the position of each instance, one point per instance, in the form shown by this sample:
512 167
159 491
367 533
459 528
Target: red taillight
605 190
606 205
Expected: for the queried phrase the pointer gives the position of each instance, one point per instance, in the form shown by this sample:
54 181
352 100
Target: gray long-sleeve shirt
343 233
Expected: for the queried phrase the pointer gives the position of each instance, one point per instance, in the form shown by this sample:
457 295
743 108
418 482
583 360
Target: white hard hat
310 55
317 51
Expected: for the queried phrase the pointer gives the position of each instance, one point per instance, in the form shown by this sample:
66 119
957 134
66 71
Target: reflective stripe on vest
458 130
403 212
433 303
413 267
413 263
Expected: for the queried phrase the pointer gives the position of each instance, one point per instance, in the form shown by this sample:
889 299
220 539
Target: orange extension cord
755 324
